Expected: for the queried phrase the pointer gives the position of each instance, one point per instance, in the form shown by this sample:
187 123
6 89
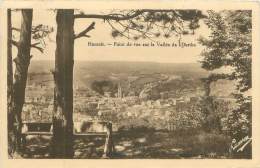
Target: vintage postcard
130 83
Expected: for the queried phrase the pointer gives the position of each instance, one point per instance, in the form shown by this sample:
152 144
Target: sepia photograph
75 94
129 83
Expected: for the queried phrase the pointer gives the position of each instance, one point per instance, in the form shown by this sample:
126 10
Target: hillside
106 69
136 74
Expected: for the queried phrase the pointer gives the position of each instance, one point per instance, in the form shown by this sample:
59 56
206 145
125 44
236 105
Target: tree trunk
63 93
11 137
22 62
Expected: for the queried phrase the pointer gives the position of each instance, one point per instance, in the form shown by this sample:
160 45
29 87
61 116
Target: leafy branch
39 33
149 23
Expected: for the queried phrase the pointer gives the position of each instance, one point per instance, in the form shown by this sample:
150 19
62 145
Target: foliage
240 120
187 120
230 45
215 112
156 23
103 86
39 33
149 23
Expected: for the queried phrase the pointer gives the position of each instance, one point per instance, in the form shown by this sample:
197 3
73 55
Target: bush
187 120
240 120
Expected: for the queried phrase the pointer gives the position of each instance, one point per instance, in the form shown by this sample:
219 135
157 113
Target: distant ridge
85 72
123 66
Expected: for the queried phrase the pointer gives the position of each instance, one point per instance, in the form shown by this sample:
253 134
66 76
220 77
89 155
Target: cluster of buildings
122 110
127 111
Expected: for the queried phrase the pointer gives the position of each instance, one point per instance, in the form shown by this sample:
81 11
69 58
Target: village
123 111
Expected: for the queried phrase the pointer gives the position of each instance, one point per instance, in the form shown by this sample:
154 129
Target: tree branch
84 32
109 17
37 47
119 17
16 29
15 43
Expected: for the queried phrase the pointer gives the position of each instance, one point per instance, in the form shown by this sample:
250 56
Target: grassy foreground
145 144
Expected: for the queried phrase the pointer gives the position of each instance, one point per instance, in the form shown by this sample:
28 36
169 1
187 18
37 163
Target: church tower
119 91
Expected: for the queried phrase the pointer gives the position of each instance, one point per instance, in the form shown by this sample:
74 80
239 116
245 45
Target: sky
102 33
